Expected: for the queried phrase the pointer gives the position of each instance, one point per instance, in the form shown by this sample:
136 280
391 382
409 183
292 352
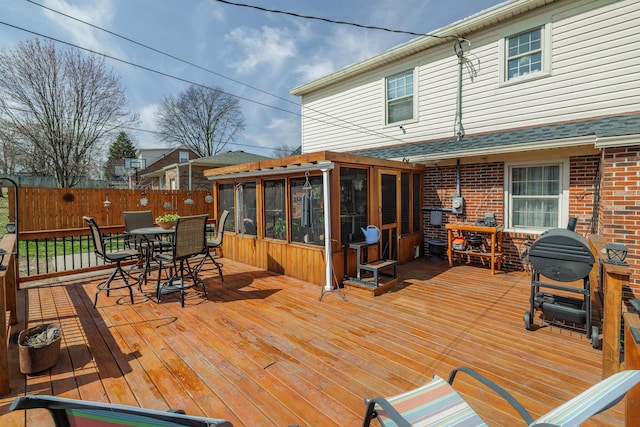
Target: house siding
586 40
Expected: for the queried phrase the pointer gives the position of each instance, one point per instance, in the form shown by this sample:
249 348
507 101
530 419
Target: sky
255 55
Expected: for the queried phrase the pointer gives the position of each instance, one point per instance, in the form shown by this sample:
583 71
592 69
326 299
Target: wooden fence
63 208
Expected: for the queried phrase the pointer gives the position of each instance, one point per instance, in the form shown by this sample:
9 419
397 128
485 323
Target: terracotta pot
38 358
167 224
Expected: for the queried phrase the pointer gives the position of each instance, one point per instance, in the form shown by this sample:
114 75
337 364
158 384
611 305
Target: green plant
280 229
167 218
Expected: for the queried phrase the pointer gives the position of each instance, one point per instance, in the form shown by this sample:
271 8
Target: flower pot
41 356
167 224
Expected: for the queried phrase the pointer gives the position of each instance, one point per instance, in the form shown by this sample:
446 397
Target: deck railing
54 253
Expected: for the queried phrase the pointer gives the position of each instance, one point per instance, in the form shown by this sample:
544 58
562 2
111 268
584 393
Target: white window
184 156
526 54
400 102
537 196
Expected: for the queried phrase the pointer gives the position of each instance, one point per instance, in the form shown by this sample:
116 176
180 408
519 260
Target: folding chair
116 256
82 413
438 403
215 243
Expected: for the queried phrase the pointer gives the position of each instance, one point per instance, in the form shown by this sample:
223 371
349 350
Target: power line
349 125
352 126
163 53
331 21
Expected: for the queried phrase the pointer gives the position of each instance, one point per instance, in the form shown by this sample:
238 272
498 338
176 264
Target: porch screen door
389 183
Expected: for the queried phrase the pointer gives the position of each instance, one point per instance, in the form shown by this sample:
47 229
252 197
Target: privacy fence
54 240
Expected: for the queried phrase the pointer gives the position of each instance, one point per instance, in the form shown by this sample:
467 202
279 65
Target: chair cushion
434 404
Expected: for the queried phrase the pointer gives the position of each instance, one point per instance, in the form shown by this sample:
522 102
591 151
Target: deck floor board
265 350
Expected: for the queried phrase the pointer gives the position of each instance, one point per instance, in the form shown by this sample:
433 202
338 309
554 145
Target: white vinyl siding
594 73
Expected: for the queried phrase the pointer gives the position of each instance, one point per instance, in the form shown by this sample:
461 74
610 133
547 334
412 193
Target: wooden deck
263 350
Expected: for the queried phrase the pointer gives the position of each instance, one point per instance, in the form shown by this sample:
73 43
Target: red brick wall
482 186
620 207
582 188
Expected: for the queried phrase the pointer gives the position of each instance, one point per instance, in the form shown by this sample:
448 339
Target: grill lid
561 255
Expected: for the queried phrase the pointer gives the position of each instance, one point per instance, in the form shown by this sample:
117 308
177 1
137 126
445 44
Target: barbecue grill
562 256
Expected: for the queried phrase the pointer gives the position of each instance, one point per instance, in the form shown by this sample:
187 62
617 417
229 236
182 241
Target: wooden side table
495 256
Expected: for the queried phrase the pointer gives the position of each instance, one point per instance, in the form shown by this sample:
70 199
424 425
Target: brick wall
482 186
620 207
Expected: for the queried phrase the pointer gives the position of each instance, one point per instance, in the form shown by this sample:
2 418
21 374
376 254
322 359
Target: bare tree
284 150
202 119
62 104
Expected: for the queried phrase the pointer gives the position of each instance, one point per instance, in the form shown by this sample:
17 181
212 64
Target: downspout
327 230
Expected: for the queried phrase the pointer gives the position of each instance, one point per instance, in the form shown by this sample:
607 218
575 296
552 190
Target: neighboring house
529 110
182 169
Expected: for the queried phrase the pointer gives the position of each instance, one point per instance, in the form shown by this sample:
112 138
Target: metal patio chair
112 256
215 243
438 403
188 242
71 412
143 219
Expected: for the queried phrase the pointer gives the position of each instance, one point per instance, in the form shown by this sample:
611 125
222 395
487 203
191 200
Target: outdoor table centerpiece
167 221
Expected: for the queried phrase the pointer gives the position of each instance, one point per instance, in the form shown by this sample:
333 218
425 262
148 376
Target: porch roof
595 133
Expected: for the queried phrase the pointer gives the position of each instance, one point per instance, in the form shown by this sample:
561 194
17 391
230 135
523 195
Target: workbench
494 236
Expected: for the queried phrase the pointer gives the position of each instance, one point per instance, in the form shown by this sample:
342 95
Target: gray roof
512 140
229 158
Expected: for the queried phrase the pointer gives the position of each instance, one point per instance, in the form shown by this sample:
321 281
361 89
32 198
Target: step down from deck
383 276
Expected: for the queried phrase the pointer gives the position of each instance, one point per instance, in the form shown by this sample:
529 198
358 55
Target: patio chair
112 256
71 412
143 219
215 243
438 402
188 242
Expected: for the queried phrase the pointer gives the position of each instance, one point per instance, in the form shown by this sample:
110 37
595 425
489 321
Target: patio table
145 232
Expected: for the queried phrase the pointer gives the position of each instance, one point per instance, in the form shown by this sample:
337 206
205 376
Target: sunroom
286 213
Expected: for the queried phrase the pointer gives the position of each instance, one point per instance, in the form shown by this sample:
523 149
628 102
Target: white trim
414 95
275 171
545 33
617 141
515 148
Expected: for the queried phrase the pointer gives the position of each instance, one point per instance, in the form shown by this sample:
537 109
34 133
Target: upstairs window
400 97
524 54
184 156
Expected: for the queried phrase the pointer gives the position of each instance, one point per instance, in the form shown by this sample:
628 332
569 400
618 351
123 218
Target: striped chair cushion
592 401
434 404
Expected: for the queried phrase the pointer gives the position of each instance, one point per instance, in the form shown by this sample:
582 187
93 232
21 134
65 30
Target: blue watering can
371 234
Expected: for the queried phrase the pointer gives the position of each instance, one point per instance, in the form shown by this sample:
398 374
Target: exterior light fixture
106 203
144 201
11 227
188 200
616 253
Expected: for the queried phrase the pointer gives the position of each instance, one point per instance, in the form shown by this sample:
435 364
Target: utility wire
331 21
348 125
351 126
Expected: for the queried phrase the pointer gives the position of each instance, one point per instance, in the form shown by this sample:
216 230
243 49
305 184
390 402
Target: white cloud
98 12
267 48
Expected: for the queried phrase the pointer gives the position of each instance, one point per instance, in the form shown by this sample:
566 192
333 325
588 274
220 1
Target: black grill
562 256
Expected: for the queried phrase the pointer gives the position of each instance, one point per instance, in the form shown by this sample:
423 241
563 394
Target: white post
327 230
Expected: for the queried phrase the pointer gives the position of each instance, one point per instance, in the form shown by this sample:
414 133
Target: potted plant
167 220
39 347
